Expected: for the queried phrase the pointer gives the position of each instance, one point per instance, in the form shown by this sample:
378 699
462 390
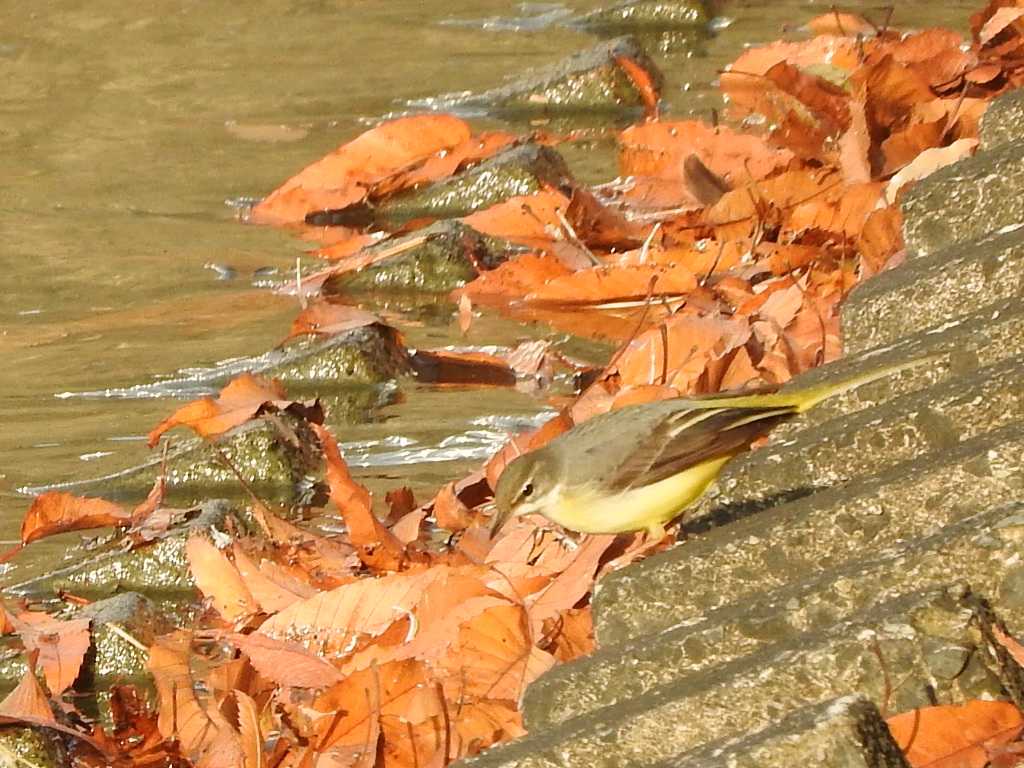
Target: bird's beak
498 519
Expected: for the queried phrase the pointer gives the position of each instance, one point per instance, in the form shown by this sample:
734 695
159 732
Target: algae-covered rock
519 170
669 28
34 747
276 454
371 354
437 259
114 623
637 15
591 81
158 569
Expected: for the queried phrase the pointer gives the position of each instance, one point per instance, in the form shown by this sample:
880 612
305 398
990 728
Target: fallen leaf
61 645
955 736
242 399
345 176
927 163
57 512
285 663
219 580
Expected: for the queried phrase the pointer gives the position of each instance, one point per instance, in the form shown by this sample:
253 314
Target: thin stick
575 240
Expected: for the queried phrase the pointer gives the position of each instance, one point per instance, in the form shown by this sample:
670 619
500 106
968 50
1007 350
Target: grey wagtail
637 468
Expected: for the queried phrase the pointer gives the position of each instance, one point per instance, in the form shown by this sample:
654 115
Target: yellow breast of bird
588 509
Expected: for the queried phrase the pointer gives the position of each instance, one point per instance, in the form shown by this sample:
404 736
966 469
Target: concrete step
980 550
982 338
844 449
847 732
965 200
932 637
930 290
810 536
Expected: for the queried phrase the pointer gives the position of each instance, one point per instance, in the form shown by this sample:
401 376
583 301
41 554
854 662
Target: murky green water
123 132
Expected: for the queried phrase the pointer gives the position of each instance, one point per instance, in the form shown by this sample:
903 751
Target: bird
641 466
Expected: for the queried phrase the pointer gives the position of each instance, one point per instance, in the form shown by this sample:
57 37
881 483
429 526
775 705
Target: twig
646 247
121 632
298 283
575 240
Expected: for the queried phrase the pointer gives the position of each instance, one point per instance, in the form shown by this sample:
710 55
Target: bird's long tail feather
801 400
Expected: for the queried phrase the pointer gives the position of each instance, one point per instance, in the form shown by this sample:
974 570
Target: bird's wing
688 437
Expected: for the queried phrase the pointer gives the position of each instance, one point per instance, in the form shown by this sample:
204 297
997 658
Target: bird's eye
527 490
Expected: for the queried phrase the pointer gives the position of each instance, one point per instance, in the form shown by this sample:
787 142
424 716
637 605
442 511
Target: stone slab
1003 121
927 292
918 636
965 200
980 550
809 537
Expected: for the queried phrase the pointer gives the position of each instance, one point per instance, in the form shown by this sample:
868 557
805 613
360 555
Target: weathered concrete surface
931 636
1003 119
835 452
980 550
966 200
956 349
439 258
848 732
810 536
929 291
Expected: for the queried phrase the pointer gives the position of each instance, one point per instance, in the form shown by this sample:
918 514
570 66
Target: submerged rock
444 256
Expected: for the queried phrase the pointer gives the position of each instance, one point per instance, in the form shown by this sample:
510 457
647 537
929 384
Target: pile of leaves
718 260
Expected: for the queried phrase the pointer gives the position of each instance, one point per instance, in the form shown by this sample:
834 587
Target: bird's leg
568 539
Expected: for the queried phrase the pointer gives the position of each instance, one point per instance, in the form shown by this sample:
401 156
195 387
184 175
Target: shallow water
123 134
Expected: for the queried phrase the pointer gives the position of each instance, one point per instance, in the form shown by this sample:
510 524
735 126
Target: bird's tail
803 399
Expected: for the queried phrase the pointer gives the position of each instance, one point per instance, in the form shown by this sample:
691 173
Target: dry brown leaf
61 645
242 398
955 736
219 580
57 512
285 663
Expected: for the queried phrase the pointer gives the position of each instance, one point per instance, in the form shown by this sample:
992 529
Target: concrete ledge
980 550
965 200
810 537
931 636
937 289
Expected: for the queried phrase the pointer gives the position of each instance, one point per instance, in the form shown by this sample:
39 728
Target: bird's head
524 487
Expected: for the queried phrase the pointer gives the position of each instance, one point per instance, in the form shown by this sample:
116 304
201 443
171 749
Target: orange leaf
604 285
327 318
572 584
239 401
442 366
218 579
285 663
344 177
955 736
57 512
28 703
495 657
200 730
836 23
61 645
377 546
